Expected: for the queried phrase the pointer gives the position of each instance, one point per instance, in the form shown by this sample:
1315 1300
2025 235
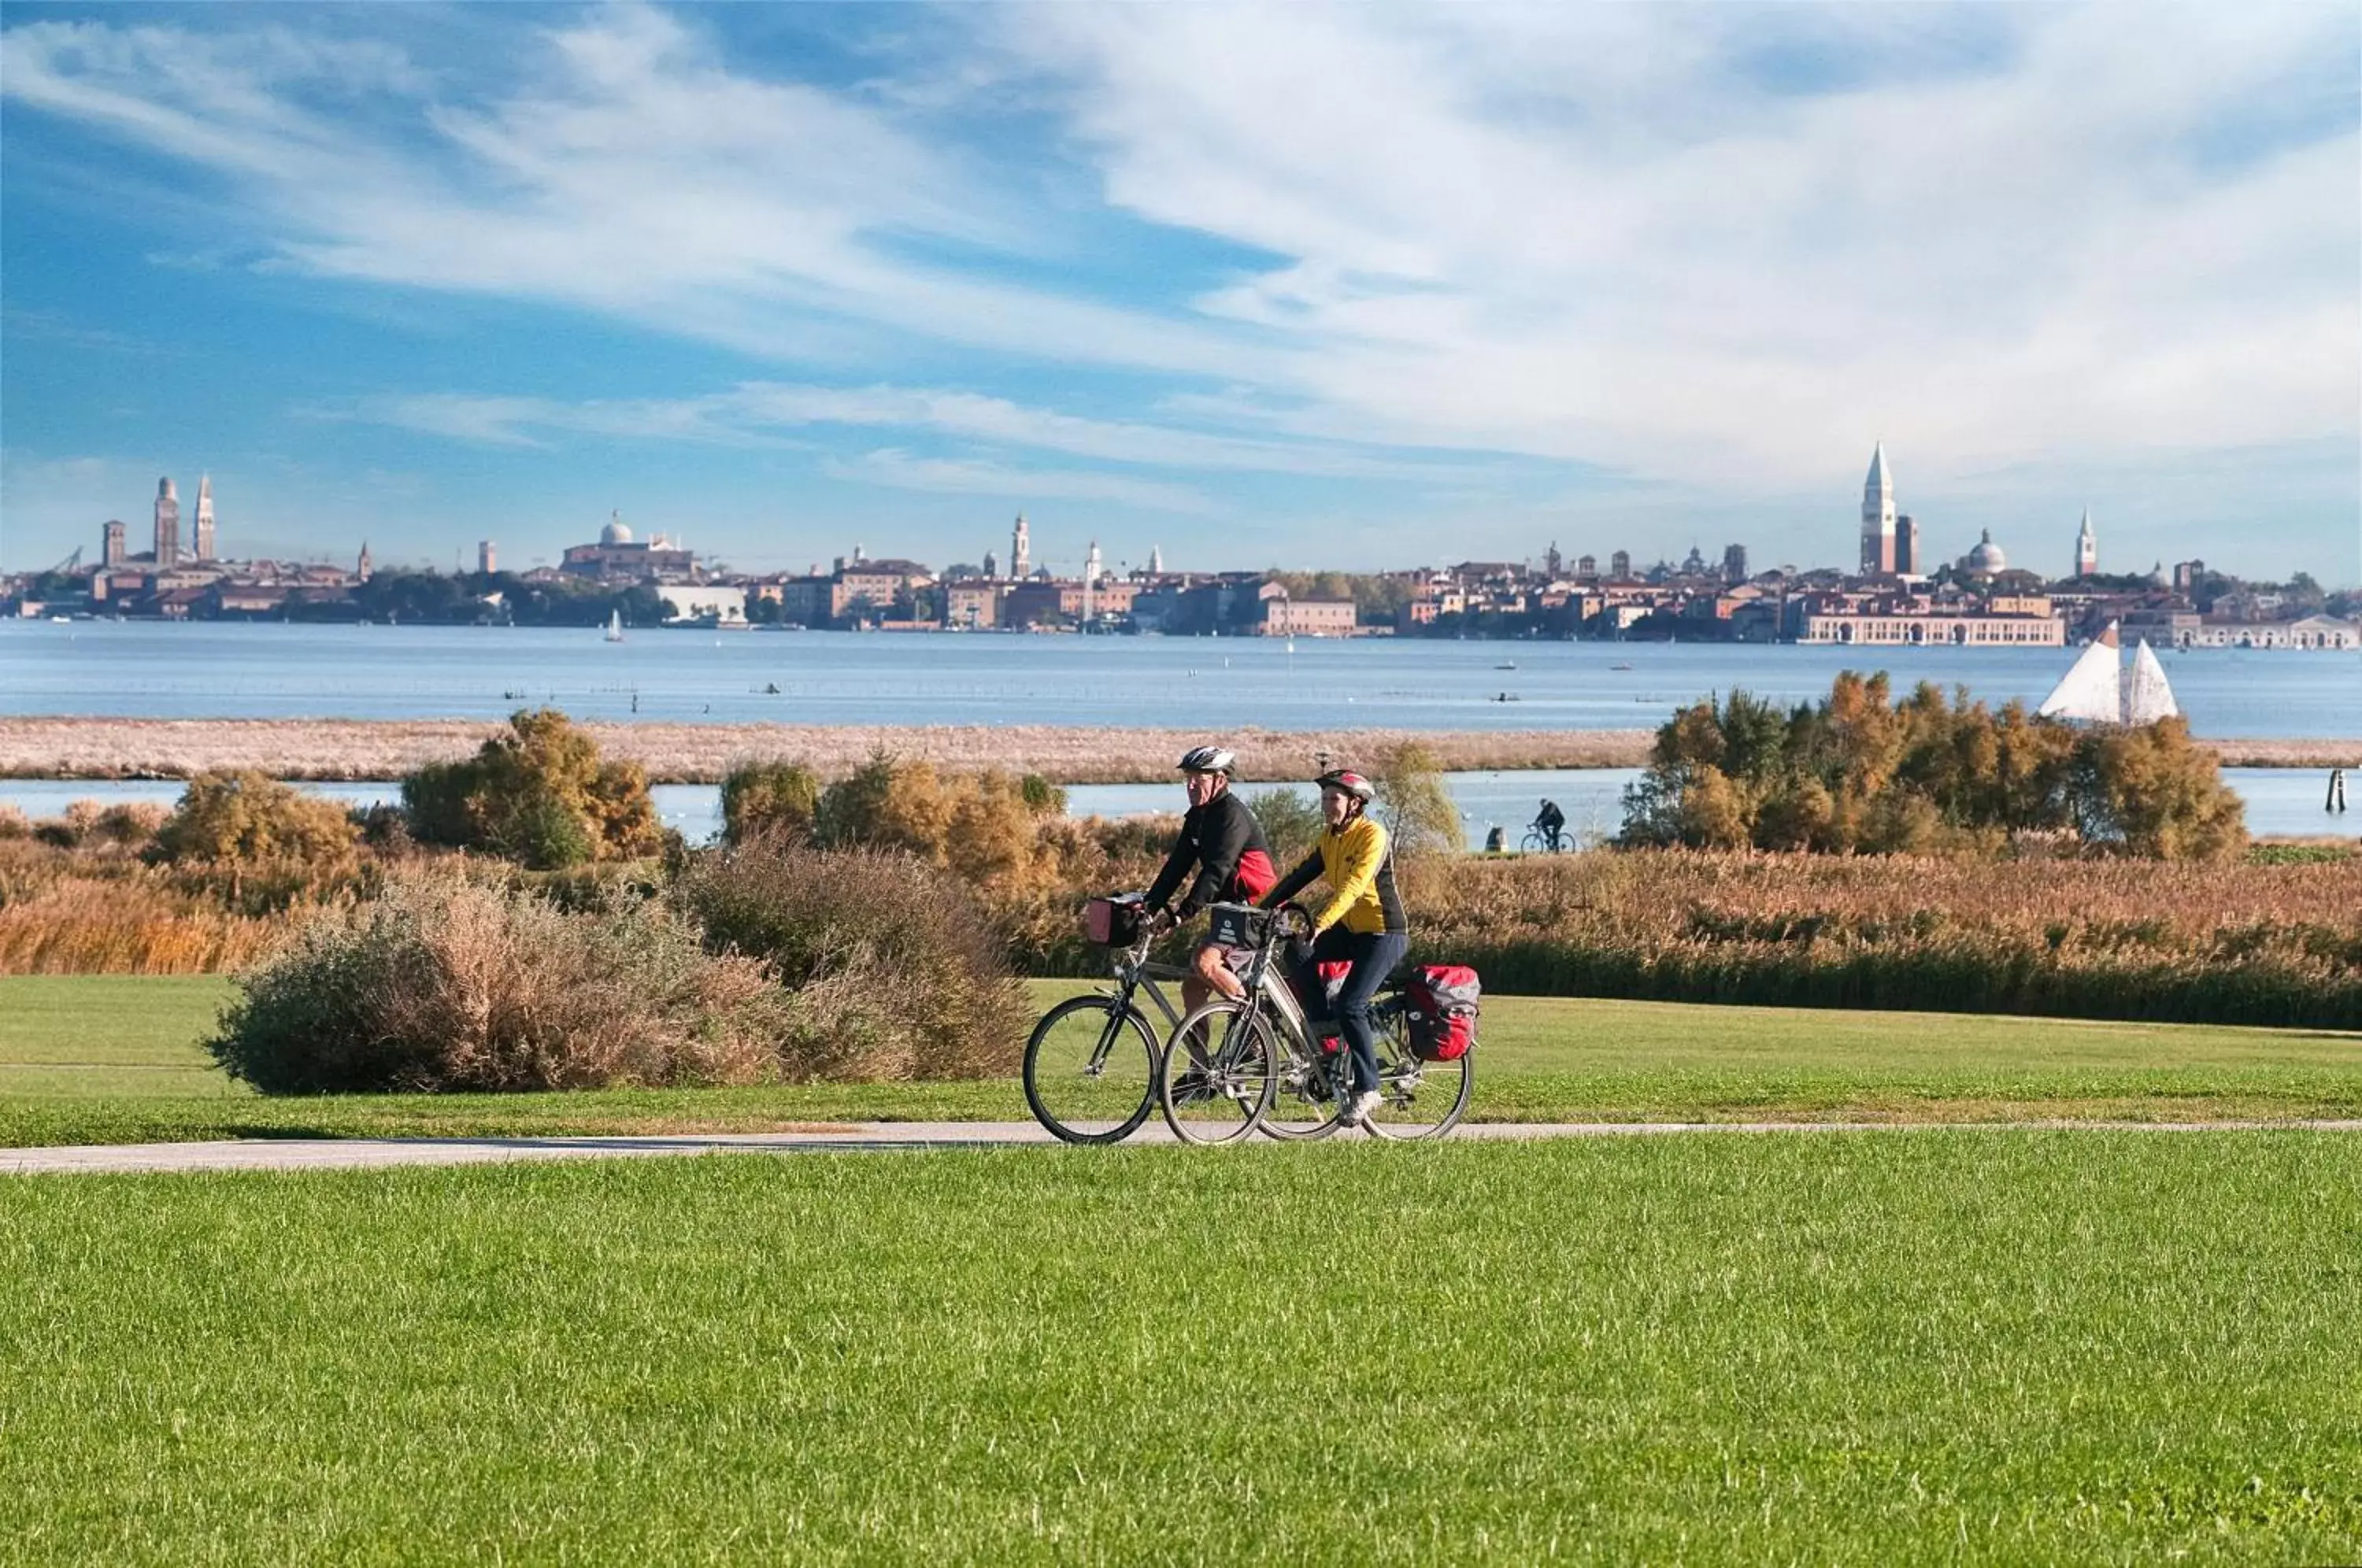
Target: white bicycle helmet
1208 759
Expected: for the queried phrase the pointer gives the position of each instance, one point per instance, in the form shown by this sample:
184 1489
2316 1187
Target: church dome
615 533
1988 556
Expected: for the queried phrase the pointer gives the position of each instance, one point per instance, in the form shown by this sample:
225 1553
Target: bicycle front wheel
1090 1070
1418 1100
1532 844
1218 1073
1306 1101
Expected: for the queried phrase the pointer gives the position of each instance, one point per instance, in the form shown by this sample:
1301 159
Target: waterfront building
971 604
1586 568
1020 549
204 540
487 558
1917 628
1878 517
1285 616
2324 632
1619 565
1906 547
110 544
1156 560
1987 559
362 567
1734 563
168 523
2087 550
619 556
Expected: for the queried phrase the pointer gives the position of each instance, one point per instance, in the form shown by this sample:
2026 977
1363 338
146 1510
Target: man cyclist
1550 822
1221 838
1362 925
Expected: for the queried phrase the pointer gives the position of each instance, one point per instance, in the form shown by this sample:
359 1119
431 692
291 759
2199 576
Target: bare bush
892 968
446 983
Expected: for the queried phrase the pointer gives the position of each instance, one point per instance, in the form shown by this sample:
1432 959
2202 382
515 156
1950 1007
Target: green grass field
110 1058
1882 1347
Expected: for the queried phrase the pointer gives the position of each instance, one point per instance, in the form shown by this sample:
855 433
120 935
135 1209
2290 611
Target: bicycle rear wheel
1420 1099
1090 1070
1217 1078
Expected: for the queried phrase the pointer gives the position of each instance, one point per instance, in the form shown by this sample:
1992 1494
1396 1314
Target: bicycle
1310 1077
1543 841
1092 1062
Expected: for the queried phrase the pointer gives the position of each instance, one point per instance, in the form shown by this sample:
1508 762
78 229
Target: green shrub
1042 798
1291 824
766 799
1415 803
1924 775
540 795
892 968
445 984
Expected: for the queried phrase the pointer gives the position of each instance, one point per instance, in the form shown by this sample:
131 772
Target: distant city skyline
1300 286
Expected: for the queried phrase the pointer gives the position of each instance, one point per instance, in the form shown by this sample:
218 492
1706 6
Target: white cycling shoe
1359 1108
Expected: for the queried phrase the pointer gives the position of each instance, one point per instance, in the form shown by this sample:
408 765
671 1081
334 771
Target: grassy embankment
37 747
2023 1347
109 1059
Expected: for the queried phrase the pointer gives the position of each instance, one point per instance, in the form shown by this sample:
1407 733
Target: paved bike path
355 1153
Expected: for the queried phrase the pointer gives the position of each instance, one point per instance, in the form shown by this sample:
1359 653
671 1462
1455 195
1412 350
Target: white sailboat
2099 690
615 625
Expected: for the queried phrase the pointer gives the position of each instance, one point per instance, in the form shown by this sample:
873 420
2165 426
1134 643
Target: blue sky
1362 286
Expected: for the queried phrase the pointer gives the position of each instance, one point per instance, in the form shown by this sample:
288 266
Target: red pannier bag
1114 920
1443 999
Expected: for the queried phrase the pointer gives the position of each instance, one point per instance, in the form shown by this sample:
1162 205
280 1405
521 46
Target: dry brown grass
98 908
703 753
2166 941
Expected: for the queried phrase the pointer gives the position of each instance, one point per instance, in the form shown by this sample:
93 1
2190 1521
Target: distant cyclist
1550 822
1360 924
1220 839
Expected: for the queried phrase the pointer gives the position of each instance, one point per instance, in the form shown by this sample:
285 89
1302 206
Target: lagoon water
2282 802
222 669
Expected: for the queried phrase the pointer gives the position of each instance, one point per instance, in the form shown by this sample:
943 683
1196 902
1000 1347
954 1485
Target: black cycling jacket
1223 840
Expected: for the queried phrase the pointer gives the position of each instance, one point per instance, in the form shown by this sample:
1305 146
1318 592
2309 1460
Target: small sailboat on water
2100 689
615 625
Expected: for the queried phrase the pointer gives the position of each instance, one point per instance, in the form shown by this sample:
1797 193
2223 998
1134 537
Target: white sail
616 626
2092 690
2147 698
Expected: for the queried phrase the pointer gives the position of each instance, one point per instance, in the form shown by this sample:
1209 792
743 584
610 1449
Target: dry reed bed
2260 945
129 928
702 754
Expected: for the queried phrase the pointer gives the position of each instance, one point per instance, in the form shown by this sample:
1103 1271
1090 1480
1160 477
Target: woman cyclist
1360 924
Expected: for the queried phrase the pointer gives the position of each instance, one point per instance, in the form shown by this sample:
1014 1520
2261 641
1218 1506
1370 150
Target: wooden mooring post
2336 802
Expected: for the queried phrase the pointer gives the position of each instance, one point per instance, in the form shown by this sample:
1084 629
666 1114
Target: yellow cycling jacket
1357 863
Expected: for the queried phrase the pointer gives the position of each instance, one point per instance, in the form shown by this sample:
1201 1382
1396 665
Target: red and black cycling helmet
1351 782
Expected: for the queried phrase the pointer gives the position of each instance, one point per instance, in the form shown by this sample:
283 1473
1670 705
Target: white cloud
754 413
902 471
1634 237
1509 230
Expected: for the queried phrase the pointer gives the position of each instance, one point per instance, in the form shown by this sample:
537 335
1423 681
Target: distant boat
615 626
1619 664
2099 690
1512 665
